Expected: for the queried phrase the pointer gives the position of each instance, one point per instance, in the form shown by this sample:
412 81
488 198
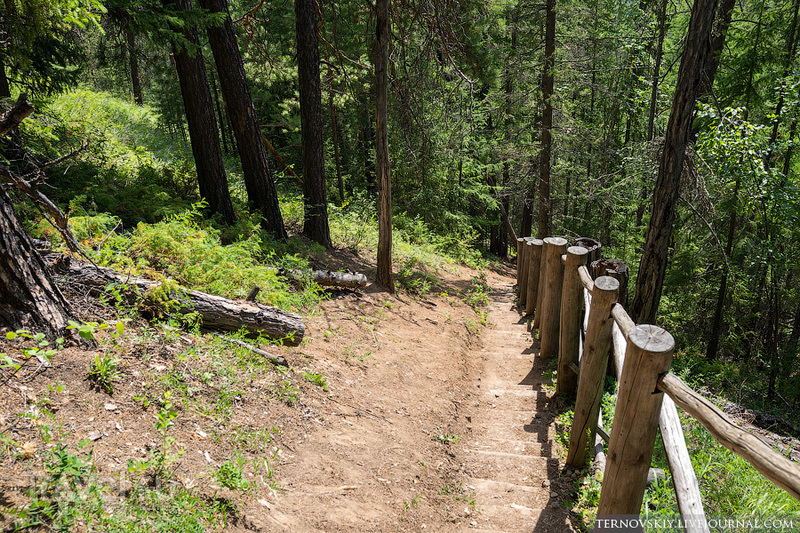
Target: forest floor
398 413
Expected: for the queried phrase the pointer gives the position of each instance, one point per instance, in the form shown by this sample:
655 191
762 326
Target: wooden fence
555 286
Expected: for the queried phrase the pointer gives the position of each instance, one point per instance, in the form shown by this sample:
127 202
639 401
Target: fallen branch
276 359
326 278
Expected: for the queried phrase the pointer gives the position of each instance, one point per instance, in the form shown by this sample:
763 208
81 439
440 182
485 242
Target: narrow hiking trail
511 457
426 426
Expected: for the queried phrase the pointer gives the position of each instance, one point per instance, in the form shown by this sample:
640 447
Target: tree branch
14 116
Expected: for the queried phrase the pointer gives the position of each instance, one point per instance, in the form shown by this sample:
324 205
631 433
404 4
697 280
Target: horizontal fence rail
580 320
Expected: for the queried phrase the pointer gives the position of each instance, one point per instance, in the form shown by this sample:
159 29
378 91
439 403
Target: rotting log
534 247
216 312
782 471
593 369
327 278
571 314
594 247
633 434
554 247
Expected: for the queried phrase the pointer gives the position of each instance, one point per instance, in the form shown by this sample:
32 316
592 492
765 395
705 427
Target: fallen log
216 312
326 278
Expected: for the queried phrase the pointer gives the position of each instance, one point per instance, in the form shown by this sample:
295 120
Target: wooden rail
558 289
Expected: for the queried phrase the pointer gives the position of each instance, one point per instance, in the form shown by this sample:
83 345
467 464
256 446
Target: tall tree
315 220
203 132
382 145
547 119
236 93
653 264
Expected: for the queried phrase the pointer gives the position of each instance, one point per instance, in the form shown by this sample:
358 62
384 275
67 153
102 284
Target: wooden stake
554 247
520 244
571 314
534 247
593 370
648 356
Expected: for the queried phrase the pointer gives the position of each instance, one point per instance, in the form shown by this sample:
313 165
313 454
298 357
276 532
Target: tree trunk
382 146
29 299
336 157
133 62
653 265
787 67
547 120
258 181
723 21
203 131
220 116
315 201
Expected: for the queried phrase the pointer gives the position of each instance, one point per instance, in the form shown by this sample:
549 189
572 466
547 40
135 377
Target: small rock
110 407
95 436
546 483
473 523
554 495
201 433
208 457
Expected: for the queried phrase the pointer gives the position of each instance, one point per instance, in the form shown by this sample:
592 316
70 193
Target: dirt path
510 455
426 427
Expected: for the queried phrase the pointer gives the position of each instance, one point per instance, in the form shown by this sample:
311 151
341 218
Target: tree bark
382 146
547 120
203 131
723 21
791 49
29 299
258 180
653 265
651 118
315 201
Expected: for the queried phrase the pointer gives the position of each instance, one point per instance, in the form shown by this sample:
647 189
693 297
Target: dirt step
529 470
507 446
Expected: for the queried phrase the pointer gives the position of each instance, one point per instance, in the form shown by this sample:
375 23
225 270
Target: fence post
523 276
534 247
647 356
571 307
520 244
593 370
554 248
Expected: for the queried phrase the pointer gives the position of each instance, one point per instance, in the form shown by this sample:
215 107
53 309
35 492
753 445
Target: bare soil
426 424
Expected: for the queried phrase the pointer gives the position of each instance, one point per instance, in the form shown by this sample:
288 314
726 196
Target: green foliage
31 347
230 474
182 249
446 439
286 393
103 371
317 379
